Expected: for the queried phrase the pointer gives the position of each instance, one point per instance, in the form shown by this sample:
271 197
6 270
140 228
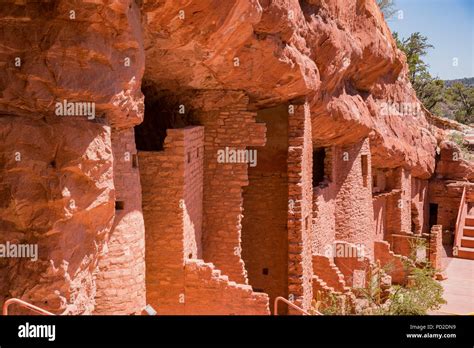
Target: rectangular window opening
365 169
134 161
319 157
119 205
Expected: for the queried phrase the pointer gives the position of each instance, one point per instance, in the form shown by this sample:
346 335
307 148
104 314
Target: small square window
119 205
265 271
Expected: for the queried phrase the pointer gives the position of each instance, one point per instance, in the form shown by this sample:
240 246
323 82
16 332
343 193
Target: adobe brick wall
435 247
300 188
406 244
448 196
325 269
398 204
208 292
171 208
177 282
265 200
379 202
121 277
393 264
323 231
353 261
354 210
227 123
419 205
193 191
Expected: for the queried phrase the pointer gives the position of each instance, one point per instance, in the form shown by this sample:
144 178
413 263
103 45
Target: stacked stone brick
121 275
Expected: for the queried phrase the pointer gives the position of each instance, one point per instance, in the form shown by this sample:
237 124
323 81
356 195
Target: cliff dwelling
134 208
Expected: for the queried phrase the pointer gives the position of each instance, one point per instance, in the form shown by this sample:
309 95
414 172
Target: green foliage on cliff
454 100
387 7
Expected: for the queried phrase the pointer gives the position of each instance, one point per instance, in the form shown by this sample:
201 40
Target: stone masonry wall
419 205
393 264
353 264
193 191
162 189
265 199
354 210
300 198
379 202
406 194
227 124
435 247
208 292
399 219
178 282
121 276
326 270
447 196
323 232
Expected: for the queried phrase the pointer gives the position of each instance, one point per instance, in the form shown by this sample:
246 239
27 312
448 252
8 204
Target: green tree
461 98
387 7
429 90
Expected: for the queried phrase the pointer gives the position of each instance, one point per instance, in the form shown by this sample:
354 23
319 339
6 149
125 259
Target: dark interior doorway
265 214
163 110
433 214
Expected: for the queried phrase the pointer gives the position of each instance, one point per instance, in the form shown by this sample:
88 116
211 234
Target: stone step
468 231
340 275
467 242
466 253
469 222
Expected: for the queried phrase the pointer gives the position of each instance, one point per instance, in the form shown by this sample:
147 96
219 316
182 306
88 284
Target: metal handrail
25 304
459 221
292 305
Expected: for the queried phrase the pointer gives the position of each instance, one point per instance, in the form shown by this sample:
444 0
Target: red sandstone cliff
212 56
340 53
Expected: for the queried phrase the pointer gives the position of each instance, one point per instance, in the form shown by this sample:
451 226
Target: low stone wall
354 265
327 271
209 292
394 265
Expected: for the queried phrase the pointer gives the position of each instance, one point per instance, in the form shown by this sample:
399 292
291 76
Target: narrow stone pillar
300 194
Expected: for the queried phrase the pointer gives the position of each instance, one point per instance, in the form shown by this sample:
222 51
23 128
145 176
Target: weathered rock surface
336 55
452 165
340 53
56 191
78 56
60 193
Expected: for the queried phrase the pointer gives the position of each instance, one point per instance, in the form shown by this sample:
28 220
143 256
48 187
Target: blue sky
449 26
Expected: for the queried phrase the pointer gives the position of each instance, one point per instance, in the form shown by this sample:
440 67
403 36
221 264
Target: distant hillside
467 81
